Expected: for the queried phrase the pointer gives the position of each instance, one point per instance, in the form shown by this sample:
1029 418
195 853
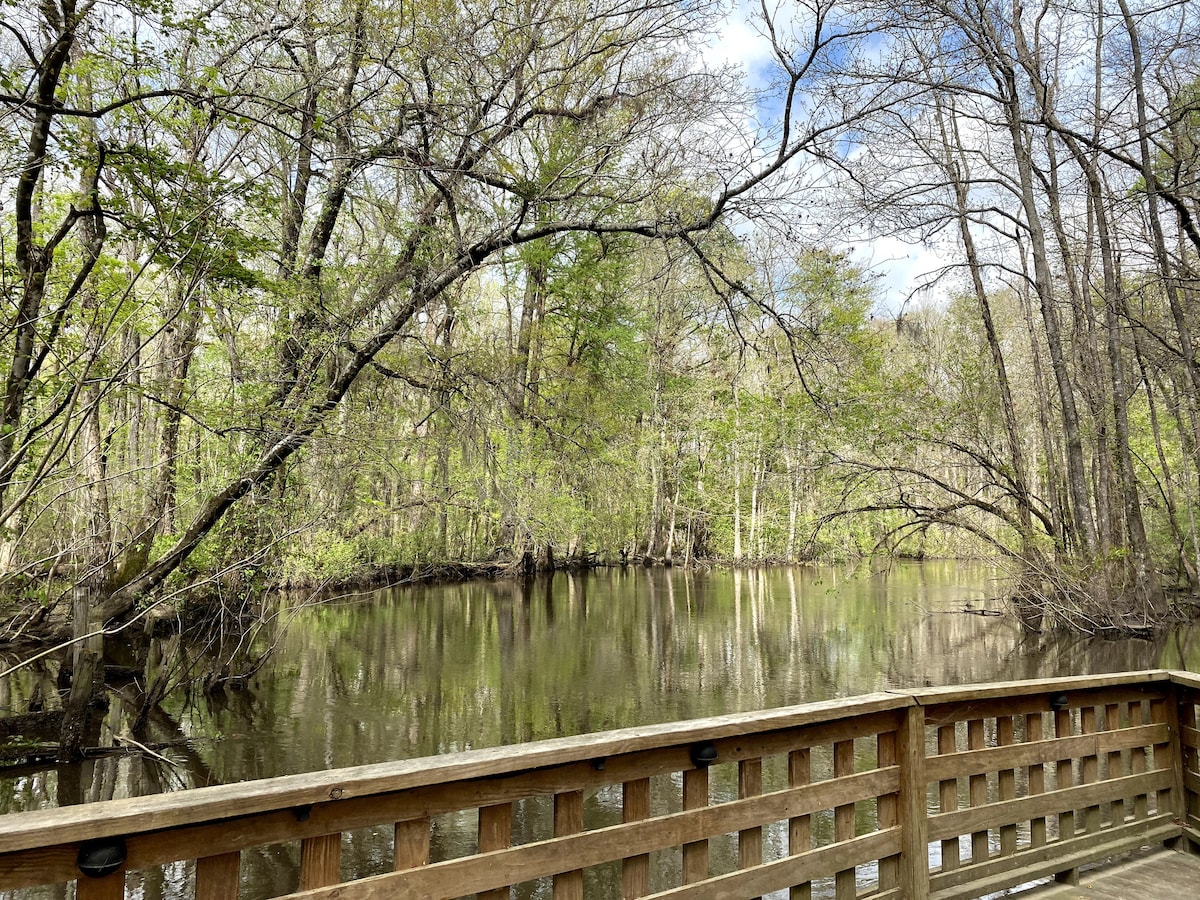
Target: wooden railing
944 792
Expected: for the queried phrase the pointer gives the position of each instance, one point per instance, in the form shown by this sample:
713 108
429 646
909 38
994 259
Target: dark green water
412 672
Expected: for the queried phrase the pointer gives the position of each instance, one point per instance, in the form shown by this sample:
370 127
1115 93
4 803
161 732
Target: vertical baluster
948 797
495 833
1005 737
1037 779
1064 777
1137 759
695 854
110 887
888 810
411 844
976 740
749 840
568 819
1114 766
800 827
1164 757
635 871
218 877
843 817
1187 719
320 861
1090 767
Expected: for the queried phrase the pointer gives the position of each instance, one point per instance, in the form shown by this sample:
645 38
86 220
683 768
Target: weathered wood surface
1158 874
1032 788
141 814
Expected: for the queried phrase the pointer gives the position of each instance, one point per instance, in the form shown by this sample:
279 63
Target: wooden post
1137 759
218 877
1165 711
1007 783
750 785
1114 766
976 740
843 818
568 819
1037 779
887 809
1090 766
948 797
635 870
914 825
495 833
1187 757
695 854
800 827
410 847
1064 776
320 861
110 887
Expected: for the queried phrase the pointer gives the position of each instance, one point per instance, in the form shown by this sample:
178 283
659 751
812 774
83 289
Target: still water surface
410 672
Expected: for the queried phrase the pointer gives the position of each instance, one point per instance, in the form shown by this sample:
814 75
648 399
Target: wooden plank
772 876
495 833
914 843
1007 784
750 839
1004 689
947 792
887 809
1036 778
410 847
139 815
995 814
695 854
1163 712
47 865
1032 872
218 877
110 887
969 762
779 874
1185 679
1137 759
635 869
320 861
1064 777
1187 752
1089 766
843 818
18 871
1189 735
1114 764
469 875
568 819
800 827
1133 834
963 710
977 791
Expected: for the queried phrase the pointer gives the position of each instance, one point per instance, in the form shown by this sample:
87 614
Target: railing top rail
21 831
137 815
955 693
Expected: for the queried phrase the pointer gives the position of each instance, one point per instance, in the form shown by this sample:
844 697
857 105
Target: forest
304 294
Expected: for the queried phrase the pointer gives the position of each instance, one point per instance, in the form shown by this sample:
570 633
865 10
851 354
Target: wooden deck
938 794
1158 874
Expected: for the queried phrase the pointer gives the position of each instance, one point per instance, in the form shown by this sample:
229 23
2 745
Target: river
420 670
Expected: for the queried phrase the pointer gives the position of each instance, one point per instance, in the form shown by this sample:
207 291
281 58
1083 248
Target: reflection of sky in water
415 672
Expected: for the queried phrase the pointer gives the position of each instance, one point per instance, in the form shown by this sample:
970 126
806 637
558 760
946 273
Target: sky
900 268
